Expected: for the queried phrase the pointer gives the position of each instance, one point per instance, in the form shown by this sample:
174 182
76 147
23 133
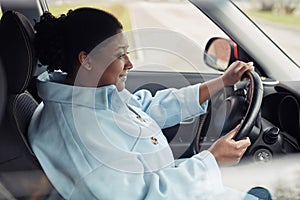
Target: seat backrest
2 91
20 172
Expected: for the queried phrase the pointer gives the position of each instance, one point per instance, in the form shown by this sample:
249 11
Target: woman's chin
120 86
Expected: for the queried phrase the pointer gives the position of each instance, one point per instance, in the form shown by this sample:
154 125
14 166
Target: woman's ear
84 60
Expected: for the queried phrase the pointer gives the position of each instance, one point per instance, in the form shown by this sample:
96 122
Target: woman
95 140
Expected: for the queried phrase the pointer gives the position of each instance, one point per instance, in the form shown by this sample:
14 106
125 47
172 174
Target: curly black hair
59 40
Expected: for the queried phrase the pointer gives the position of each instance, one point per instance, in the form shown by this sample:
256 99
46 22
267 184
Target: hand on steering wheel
239 106
235 71
227 151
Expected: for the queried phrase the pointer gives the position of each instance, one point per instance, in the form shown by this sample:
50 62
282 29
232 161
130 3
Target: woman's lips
123 77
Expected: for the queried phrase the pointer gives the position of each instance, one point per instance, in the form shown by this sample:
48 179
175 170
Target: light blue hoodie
98 143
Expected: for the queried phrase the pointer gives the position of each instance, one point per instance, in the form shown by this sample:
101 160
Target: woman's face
116 72
112 63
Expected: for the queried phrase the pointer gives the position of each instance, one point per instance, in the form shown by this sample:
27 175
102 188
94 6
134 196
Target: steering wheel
230 107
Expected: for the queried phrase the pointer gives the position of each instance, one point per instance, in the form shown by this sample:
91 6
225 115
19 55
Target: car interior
21 175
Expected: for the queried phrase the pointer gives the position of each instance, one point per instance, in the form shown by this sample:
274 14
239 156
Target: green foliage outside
119 11
274 17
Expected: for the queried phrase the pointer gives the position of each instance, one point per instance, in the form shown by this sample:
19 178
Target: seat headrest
17 50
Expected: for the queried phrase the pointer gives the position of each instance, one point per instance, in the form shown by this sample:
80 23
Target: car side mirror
220 53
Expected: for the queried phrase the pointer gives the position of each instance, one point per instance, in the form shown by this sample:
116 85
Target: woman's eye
122 55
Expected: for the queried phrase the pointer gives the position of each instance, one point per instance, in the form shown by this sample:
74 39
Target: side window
163 35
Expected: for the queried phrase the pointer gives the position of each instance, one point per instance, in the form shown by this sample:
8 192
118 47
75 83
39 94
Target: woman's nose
128 63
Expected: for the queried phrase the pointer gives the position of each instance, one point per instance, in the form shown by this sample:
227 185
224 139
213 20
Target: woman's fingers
230 135
235 72
244 143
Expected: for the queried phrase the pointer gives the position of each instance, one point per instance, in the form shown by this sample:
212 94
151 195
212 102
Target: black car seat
21 176
2 91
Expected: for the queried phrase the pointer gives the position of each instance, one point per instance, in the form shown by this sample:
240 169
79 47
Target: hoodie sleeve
170 106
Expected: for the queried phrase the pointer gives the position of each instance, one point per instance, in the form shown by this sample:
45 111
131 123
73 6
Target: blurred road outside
200 29
286 36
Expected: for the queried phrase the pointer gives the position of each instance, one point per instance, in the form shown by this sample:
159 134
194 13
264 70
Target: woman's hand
231 76
235 72
227 151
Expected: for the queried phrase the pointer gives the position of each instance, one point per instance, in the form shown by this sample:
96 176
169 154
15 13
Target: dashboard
279 122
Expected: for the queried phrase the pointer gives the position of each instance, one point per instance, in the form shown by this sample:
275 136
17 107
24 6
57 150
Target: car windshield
279 19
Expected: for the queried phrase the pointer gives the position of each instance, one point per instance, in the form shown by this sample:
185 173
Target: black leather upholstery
17 50
2 91
20 173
